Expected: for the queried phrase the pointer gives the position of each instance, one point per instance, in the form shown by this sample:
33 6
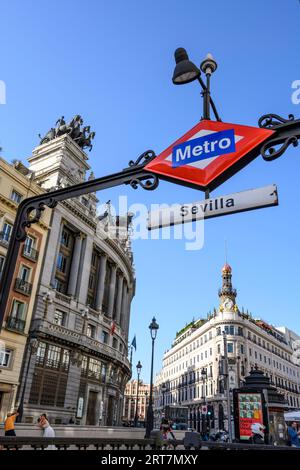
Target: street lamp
186 71
153 327
138 369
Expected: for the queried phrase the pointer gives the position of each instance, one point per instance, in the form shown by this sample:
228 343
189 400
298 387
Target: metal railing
16 324
155 442
23 286
4 238
30 253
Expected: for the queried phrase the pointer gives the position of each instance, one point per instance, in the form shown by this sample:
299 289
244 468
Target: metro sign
209 154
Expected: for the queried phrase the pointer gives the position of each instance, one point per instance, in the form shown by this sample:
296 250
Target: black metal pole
137 402
206 98
30 211
213 106
149 425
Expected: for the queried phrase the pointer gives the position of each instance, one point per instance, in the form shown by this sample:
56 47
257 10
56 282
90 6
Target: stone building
16 183
79 369
136 399
193 368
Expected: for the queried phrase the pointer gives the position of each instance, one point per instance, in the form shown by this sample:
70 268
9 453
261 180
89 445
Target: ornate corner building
193 373
75 367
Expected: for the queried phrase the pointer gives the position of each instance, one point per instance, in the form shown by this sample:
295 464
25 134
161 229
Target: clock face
228 304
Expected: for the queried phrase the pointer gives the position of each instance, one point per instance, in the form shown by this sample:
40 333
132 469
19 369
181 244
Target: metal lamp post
204 377
32 349
138 369
153 327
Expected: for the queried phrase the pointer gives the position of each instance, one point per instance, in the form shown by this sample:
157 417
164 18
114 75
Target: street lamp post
32 349
153 327
204 377
138 369
226 373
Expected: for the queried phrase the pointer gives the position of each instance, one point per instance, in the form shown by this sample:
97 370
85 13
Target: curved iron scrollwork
149 182
144 158
31 214
269 121
270 153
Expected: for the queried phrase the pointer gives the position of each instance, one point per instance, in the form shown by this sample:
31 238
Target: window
6 232
61 263
40 355
230 347
24 274
240 331
65 238
16 197
90 331
53 357
5 357
104 337
18 310
218 330
219 349
59 286
29 245
210 335
59 318
231 330
115 343
94 369
242 348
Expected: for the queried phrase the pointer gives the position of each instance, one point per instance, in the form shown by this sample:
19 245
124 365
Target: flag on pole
133 344
112 328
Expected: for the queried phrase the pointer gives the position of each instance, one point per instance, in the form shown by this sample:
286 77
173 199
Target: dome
226 268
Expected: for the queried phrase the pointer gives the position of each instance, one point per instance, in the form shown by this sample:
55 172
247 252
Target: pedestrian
166 430
293 435
48 431
9 424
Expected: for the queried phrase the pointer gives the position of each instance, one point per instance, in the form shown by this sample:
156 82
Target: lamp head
153 327
185 71
209 65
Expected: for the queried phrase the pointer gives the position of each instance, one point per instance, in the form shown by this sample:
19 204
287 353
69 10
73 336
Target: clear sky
112 63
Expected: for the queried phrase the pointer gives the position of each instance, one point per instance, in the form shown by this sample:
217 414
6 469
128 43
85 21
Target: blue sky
112 63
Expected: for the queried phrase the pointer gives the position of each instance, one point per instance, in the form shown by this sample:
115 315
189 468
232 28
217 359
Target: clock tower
227 293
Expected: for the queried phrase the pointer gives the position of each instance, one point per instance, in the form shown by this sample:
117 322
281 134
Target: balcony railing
30 253
23 286
4 238
16 324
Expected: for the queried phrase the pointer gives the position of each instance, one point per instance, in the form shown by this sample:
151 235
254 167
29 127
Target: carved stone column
119 299
101 282
112 290
75 265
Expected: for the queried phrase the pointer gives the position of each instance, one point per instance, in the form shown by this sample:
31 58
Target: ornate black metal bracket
31 209
287 132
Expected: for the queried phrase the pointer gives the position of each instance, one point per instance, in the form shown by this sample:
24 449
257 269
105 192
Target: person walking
293 435
48 431
9 424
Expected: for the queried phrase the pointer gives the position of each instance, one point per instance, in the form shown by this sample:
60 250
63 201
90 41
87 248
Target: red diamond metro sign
209 154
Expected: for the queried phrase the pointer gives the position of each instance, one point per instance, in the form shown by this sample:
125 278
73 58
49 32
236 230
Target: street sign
209 153
214 207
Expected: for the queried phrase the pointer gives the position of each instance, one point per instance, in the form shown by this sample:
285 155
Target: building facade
16 183
76 366
193 373
136 400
